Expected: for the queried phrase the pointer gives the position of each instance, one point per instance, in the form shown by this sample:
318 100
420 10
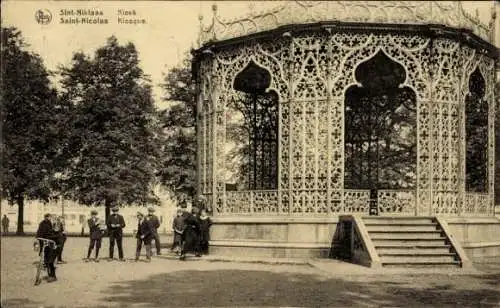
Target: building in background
76 215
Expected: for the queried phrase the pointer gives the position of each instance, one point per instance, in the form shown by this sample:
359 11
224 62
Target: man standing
155 223
96 227
61 237
116 223
144 235
5 224
190 236
46 231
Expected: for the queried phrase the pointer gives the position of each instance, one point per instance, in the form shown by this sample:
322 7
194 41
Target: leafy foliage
381 140
476 127
115 136
252 132
33 120
178 164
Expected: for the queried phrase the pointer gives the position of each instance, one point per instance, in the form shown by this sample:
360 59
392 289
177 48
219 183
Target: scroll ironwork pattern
310 73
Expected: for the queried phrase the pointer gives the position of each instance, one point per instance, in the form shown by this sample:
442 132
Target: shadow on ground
231 288
20 302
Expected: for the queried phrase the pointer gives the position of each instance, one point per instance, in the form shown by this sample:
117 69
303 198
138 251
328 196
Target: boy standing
61 237
155 223
144 235
178 228
205 223
96 231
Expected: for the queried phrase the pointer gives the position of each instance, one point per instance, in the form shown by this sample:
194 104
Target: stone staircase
410 242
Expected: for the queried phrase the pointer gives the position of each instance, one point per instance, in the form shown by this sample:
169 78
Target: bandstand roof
446 13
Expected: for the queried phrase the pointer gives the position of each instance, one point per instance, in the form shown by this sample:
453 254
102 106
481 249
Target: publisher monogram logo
43 16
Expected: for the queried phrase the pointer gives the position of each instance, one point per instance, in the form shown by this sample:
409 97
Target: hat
139 213
179 210
47 215
93 212
115 209
151 209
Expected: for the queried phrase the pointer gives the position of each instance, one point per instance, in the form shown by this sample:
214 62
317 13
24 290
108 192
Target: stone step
420 253
438 264
412 250
398 220
401 227
409 242
375 235
417 259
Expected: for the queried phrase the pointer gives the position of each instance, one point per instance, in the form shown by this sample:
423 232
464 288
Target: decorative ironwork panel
467 60
445 128
229 63
205 127
284 160
310 74
356 201
252 202
477 204
310 54
239 202
449 13
411 53
396 202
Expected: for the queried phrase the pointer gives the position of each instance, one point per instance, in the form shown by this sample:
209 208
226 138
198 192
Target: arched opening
380 128
476 130
252 132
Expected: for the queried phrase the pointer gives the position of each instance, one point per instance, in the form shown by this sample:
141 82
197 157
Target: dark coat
205 224
191 236
178 225
46 230
5 221
94 230
116 219
155 222
145 228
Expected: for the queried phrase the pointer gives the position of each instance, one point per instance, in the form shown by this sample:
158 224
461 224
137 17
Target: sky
171 29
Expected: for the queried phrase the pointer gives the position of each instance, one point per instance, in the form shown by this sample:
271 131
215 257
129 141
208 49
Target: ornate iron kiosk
307 109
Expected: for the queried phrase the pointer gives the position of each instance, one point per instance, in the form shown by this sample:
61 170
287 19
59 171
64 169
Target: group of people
191 235
191 232
147 231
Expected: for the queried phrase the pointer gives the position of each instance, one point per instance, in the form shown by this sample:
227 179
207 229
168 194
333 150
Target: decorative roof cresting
448 13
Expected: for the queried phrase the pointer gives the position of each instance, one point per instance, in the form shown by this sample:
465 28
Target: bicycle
41 252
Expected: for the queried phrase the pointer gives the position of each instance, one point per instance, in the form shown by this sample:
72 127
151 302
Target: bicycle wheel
39 269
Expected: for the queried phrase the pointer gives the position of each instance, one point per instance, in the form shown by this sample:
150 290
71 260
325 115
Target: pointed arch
252 130
380 126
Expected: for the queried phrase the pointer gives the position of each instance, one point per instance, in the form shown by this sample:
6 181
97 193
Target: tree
32 116
115 140
178 166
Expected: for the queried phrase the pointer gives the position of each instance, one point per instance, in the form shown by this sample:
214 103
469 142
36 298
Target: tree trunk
107 205
20 214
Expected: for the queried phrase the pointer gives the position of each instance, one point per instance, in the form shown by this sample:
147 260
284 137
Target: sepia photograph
250 153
